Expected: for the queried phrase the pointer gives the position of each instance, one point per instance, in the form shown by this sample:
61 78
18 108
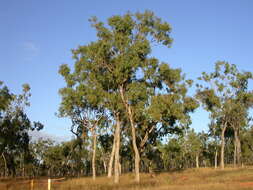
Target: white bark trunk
222 146
133 131
105 166
238 148
112 157
197 161
235 152
136 156
94 154
117 146
5 166
215 159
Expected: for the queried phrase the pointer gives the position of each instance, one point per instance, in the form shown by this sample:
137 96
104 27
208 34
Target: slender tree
82 104
222 87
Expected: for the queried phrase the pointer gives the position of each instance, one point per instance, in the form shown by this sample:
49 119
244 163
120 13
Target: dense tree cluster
130 112
178 152
14 128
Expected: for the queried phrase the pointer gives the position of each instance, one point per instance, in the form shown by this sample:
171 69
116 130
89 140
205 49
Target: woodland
130 112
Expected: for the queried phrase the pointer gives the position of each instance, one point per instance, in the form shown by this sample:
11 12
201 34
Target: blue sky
36 38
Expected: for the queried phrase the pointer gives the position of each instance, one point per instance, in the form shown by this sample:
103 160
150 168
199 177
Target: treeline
131 112
15 125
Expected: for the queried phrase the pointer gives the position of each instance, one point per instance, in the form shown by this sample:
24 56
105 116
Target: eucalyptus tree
214 134
107 144
89 100
194 144
247 145
119 69
174 153
239 113
14 128
221 93
82 103
5 97
38 150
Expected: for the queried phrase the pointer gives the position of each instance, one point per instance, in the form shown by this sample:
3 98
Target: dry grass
192 179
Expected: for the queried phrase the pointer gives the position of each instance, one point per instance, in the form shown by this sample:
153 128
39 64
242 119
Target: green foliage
194 142
117 74
5 97
226 92
14 127
116 78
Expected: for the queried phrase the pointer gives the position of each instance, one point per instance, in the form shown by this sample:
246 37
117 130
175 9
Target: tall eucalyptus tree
224 93
118 69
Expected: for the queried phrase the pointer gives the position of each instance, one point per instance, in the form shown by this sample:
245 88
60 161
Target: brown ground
192 179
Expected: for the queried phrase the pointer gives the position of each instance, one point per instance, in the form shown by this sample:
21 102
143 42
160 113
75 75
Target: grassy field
192 179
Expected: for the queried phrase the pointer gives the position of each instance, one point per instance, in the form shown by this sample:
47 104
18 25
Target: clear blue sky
36 38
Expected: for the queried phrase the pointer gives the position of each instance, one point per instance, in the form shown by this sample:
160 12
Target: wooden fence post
49 184
32 184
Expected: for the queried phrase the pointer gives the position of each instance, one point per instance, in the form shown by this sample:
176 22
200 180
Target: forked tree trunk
197 160
112 157
237 148
117 146
94 136
133 132
222 146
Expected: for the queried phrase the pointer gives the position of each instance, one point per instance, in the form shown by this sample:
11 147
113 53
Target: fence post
32 184
49 184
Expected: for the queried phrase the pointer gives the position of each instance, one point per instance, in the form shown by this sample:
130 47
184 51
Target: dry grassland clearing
191 179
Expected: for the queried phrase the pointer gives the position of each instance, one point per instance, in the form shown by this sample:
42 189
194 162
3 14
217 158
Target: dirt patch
246 184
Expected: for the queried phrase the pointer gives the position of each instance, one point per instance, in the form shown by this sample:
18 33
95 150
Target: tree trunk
133 131
216 159
105 166
197 160
136 156
5 166
94 154
235 150
144 140
23 168
120 168
112 157
222 146
117 145
238 147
